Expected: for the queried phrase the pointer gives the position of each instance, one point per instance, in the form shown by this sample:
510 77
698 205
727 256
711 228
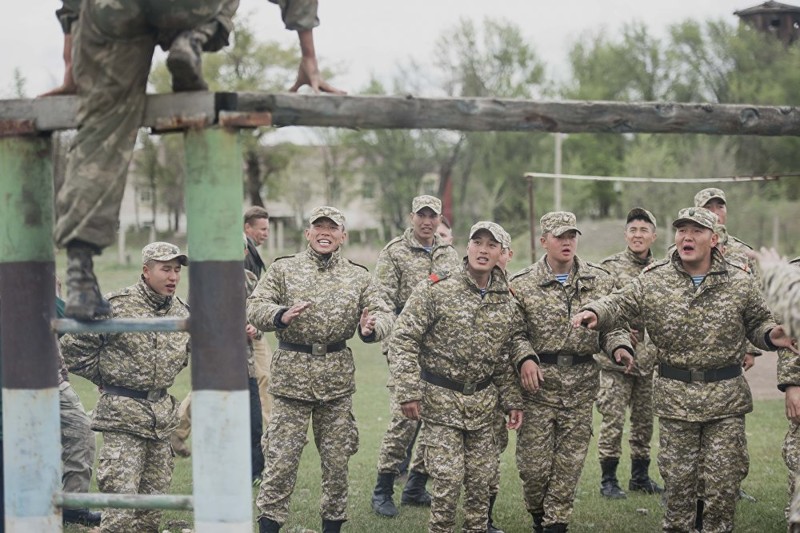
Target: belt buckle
697 375
564 360
153 395
319 349
469 388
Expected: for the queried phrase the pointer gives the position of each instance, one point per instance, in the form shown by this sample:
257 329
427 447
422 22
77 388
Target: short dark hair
446 222
254 213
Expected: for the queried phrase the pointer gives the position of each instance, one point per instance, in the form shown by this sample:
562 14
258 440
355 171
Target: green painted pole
220 396
83 500
30 422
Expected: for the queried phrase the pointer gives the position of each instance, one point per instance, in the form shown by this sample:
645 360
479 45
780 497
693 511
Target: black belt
467 389
564 360
699 376
313 349
150 395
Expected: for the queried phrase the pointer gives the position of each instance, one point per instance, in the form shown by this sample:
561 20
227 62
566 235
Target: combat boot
267 525
640 479
491 528
332 526
84 299
609 486
414 492
555 528
185 63
538 520
84 517
382 496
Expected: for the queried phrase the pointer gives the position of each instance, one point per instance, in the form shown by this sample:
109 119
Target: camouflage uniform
112 51
401 265
307 386
447 329
701 421
782 290
136 457
555 433
620 391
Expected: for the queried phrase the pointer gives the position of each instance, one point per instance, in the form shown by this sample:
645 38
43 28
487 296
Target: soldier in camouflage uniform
697 309
134 370
401 265
553 441
634 390
451 360
314 301
112 52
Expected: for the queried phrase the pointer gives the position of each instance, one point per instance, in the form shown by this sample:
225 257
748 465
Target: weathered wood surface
179 111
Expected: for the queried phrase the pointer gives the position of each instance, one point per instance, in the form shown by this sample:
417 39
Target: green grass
766 427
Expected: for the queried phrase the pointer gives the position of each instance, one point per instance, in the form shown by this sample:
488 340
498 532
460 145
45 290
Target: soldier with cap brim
403 263
698 310
554 439
620 391
314 301
452 357
135 413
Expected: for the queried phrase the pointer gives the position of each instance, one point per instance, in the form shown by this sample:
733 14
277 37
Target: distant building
781 20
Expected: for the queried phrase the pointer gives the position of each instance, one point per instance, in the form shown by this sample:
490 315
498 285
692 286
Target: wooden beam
188 110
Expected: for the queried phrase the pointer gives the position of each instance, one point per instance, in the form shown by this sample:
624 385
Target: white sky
364 37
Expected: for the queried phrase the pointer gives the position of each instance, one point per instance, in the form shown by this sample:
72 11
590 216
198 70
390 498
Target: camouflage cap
558 223
698 215
426 200
722 233
706 195
163 251
641 212
326 211
496 230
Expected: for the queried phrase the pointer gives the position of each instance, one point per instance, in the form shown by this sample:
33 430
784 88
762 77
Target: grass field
766 427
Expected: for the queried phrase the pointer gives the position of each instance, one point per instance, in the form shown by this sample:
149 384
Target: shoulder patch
357 264
738 264
436 277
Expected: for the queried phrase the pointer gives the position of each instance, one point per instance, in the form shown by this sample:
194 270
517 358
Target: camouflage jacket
623 267
446 328
548 307
141 361
782 290
695 329
338 290
298 14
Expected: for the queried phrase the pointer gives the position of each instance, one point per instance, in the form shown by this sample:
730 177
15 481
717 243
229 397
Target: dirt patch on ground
763 378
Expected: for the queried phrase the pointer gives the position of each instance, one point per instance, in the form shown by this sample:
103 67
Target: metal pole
557 166
31 423
532 219
82 500
220 397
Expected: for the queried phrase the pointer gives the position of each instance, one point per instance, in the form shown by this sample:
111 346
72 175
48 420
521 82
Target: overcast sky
364 37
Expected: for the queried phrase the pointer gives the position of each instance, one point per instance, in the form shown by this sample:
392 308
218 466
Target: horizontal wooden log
188 110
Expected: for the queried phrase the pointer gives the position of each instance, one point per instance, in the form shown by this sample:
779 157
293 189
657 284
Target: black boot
267 525
538 519
414 492
640 479
84 299
185 64
698 517
382 496
332 526
555 528
491 528
609 486
81 516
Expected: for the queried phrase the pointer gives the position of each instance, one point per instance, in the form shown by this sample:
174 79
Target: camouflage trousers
551 449
112 51
77 441
454 458
791 456
714 451
336 437
399 435
617 393
132 465
501 437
